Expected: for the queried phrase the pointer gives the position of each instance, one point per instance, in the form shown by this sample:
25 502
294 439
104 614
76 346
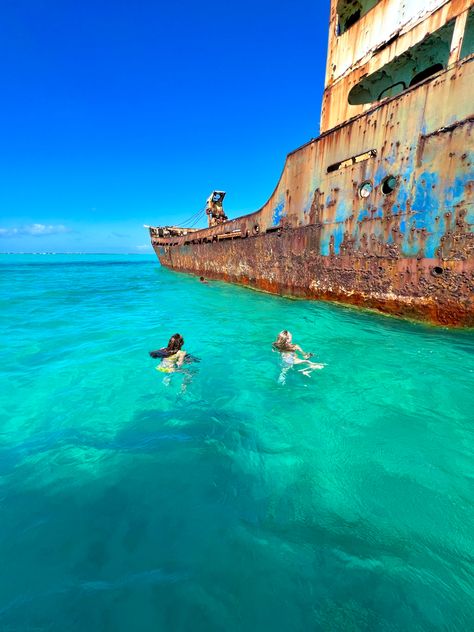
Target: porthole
365 189
388 184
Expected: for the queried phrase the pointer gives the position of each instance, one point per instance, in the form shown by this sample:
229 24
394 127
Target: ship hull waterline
284 264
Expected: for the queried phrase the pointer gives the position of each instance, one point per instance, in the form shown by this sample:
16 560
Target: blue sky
119 114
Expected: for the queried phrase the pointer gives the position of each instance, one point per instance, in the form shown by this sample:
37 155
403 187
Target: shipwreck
378 210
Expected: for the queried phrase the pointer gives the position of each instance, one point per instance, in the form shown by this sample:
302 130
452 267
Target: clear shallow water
338 502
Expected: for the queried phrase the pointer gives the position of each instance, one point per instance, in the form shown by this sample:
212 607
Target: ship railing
169 231
239 228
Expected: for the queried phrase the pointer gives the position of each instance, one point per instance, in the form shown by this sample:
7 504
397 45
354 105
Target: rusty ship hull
378 210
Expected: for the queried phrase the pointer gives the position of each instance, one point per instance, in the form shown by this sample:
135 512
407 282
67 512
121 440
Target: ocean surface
226 498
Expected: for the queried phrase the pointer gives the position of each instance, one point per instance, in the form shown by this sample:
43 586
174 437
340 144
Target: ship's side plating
378 211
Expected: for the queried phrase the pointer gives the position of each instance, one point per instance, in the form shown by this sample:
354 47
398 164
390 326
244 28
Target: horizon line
138 254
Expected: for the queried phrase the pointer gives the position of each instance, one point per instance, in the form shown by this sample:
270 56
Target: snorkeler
172 356
289 357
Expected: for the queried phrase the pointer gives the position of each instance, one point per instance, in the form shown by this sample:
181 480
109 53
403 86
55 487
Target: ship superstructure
378 210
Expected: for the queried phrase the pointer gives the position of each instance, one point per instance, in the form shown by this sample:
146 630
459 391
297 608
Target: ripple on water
342 501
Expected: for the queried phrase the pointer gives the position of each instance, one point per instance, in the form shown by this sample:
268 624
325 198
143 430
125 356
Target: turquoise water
343 501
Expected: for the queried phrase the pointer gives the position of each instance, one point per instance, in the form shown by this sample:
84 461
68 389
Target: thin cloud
35 230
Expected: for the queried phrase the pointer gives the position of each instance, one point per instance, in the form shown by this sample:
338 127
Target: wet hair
175 343
201 278
283 341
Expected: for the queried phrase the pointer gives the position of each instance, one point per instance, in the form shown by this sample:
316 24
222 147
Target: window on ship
468 39
351 11
417 64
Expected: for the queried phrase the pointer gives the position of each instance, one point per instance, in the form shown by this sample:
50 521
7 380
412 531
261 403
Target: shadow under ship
378 210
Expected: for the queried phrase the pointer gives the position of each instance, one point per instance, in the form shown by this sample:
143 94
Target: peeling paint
278 213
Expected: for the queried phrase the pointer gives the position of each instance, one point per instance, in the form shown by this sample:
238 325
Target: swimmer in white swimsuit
288 352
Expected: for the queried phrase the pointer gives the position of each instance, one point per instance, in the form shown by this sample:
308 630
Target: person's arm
305 355
180 360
